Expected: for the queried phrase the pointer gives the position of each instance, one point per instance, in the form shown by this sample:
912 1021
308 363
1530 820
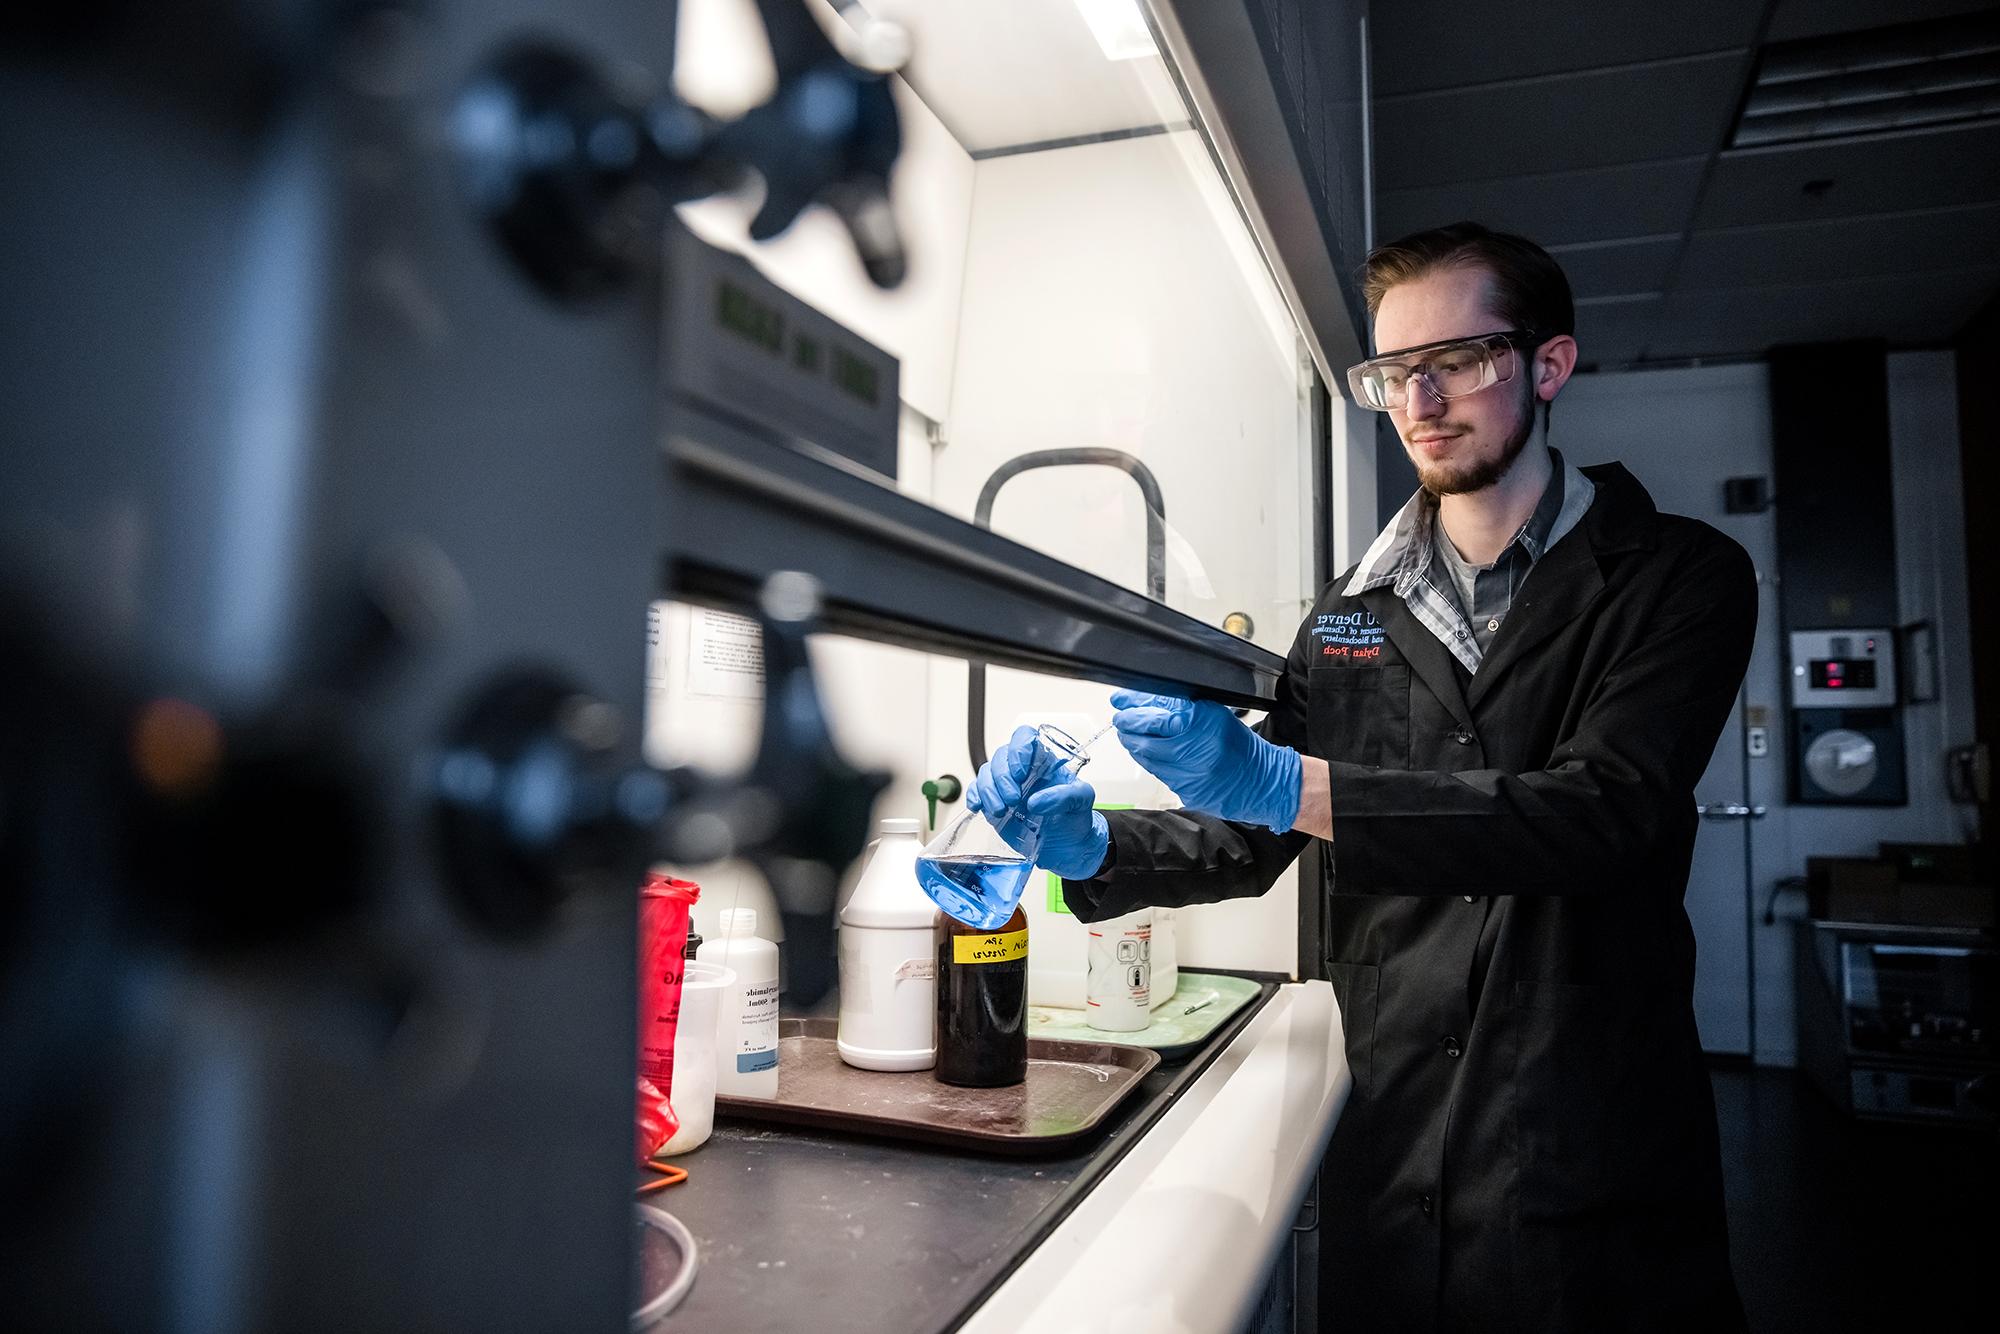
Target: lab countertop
1169 1218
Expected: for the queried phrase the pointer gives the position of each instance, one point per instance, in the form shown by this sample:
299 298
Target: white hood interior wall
1108 303
1101 294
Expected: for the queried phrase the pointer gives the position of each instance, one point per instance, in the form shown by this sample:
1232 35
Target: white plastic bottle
1166 955
1058 965
888 974
746 1045
1120 982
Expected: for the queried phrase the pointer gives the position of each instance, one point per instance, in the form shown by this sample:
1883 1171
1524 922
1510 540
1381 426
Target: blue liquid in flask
979 890
977 869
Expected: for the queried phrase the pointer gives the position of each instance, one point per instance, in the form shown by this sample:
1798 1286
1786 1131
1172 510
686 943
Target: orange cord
669 1176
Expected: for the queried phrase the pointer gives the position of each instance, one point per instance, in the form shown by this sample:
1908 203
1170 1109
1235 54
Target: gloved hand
1074 838
1210 759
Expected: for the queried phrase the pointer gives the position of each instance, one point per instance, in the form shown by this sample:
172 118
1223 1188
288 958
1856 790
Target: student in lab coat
1490 729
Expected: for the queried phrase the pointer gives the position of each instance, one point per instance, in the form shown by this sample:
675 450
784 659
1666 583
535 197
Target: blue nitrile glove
1210 759
1074 837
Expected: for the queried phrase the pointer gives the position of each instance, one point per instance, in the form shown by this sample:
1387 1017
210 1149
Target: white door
1682 433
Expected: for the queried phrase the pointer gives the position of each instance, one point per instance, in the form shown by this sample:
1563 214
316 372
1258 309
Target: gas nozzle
575 174
830 133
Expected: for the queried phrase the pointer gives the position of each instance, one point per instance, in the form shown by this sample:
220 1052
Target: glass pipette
1095 737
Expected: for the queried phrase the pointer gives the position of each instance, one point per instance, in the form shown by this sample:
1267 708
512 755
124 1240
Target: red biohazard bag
663 928
656 1122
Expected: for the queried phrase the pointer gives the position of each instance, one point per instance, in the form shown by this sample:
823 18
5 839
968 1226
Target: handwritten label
1003 948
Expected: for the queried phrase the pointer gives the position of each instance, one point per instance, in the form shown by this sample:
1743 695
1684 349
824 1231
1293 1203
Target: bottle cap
739 922
898 825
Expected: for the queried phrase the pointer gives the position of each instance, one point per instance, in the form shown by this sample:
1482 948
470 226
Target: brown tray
1071 1086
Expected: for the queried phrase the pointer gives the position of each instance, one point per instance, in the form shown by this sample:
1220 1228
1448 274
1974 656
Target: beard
1459 479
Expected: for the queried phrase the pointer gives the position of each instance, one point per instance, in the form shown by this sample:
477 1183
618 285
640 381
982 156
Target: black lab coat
1530 1140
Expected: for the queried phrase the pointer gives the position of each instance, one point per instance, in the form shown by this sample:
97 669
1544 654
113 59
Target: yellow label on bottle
1001 948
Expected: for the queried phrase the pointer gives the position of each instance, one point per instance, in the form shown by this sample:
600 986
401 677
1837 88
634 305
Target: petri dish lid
667 1263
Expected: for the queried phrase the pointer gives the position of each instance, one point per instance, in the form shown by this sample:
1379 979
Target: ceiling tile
1594 131
1414 51
1565 123
1611 332
1749 321
1820 18
1601 204
1618 268
1878 174
1842 248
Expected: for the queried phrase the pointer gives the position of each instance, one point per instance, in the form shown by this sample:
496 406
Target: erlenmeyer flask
973 869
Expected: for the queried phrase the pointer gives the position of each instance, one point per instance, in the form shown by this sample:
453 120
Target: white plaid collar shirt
1403 556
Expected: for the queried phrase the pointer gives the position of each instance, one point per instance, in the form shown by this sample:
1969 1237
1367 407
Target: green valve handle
945 787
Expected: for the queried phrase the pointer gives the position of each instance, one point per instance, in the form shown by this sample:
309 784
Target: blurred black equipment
332 497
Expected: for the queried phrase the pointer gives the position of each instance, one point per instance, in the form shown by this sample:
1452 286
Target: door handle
1731 812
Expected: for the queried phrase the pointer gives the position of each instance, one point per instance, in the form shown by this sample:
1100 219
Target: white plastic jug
888 975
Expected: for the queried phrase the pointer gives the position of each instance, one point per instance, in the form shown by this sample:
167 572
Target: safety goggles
1449 369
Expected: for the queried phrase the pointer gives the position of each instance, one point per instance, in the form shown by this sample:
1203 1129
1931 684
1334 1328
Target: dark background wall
1314 50
1978 348
1836 510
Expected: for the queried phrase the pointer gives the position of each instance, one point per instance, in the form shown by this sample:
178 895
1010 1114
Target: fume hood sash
743 505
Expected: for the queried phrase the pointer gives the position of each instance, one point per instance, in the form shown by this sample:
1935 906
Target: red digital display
1842 673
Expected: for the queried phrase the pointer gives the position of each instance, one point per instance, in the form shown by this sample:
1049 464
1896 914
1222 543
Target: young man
1491 728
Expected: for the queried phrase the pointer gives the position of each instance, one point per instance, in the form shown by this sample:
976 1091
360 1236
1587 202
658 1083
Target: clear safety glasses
1450 369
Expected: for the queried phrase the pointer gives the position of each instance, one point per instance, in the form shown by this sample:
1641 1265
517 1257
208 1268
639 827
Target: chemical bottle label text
999 948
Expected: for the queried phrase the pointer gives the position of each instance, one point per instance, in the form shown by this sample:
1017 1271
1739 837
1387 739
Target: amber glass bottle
982 1002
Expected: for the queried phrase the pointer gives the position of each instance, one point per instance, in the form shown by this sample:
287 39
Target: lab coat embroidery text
1348 636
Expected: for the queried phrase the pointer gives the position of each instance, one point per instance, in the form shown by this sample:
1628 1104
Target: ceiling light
1932 72
1119 27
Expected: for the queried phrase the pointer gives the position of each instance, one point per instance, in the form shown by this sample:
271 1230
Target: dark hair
1530 290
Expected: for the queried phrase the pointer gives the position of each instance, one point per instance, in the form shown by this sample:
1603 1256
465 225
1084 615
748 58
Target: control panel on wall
1847 731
